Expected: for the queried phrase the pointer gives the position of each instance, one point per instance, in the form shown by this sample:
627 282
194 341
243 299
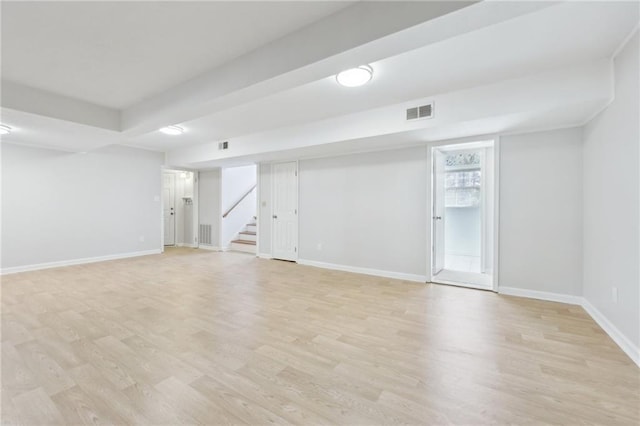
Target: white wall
264 209
209 195
611 201
60 206
366 210
541 211
371 211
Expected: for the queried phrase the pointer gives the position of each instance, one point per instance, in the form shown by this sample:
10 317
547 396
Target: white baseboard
185 245
264 256
541 295
61 263
366 271
621 340
211 248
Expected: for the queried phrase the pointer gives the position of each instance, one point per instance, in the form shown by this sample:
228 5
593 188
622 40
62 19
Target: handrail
239 201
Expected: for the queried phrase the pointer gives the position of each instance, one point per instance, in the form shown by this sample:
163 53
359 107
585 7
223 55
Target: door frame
272 184
195 207
496 203
164 172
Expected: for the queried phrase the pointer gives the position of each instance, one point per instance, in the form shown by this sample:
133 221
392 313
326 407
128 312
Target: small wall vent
205 234
420 112
223 145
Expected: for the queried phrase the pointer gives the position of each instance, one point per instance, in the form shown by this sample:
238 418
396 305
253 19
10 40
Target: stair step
243 246
248 232
251 243
251 224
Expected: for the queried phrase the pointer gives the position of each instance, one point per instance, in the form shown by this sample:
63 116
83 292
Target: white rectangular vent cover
205 234
420 112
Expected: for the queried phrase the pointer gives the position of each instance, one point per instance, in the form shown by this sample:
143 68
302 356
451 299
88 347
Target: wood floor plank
198 337
186 399
97 386
36 408
51 376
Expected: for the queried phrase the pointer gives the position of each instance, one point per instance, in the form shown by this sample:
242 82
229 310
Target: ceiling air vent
223 145
420 112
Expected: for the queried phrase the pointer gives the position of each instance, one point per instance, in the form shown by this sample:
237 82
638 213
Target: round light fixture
4 130
355 76
172 130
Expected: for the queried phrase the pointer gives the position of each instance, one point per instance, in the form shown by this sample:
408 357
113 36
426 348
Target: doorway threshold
463 279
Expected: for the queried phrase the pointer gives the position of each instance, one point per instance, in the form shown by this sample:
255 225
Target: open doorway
179 208
463 220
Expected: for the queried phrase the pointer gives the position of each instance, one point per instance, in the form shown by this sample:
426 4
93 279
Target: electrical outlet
614 294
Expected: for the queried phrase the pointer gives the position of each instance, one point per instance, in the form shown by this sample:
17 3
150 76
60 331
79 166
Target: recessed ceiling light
4 130
355 76
172 130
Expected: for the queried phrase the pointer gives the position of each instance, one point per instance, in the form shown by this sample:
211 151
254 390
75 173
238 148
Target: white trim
161 198
366 271
258 202
462 284
195 210
61 263
495 273
541 295
187 245
264 256
220 212
210 248
490 140
620 339
612 331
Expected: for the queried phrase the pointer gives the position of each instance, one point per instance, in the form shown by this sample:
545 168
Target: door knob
275 216
437 217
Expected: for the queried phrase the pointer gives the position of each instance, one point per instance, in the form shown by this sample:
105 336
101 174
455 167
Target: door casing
496 202
169 208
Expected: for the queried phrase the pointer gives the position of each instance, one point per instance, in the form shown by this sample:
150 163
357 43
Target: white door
285 211
169 197
438 212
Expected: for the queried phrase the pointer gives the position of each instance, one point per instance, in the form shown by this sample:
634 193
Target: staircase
246 240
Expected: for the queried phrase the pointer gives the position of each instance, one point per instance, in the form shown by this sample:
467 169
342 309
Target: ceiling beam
35 101
260 72
566 95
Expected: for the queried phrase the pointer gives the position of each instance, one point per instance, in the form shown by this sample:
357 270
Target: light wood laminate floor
197 337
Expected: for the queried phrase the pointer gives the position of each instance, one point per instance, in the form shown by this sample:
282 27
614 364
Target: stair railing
239 201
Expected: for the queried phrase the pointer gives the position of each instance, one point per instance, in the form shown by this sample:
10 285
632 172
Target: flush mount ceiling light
4 130
172 130
355 76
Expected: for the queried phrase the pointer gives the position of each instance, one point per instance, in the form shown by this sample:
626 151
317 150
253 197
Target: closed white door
169 197
438 211
285 211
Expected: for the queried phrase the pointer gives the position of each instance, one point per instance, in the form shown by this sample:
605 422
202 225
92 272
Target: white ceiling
116 53
502 41
573 33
